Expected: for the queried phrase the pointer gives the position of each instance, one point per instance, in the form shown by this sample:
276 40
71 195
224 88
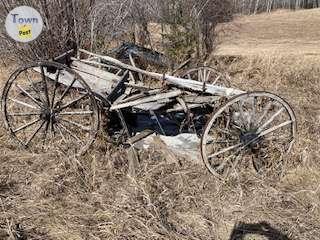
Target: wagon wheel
207 75
42 114
258 127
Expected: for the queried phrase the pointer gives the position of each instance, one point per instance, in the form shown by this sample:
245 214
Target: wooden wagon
51 105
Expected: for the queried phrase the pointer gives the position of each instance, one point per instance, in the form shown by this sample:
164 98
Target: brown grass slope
282 32
92 197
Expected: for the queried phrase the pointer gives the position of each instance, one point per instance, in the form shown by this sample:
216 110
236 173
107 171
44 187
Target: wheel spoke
200 75
65 93
275 128
234 164
253 113
265 112
24 114
208 75
61 134
26 126
270 120
45 86
118 72
225 150
267 132
56 82
23 104
76 113
29 95
72 102
76 124
236 126
33 87
69 132
224 162
34 133
221 142
205 75
44 136
284 138
223 131
217 79
240 105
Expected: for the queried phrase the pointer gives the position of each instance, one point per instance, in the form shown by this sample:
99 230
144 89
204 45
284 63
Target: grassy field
52 196
282 32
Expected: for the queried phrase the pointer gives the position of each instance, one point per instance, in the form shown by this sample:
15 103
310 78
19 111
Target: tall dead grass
56 197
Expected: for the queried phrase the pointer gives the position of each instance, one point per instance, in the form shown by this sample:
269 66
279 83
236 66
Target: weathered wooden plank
153 98
95 61
179 82
65 77
94 71
141 95
198 86
201 99
97 84
151 106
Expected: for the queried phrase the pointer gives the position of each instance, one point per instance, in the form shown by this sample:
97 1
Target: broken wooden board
94 71
151 106
97 84
149 99
196 99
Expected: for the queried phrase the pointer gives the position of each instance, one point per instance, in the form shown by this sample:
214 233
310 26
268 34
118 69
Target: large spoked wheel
49 106
207 75
257 127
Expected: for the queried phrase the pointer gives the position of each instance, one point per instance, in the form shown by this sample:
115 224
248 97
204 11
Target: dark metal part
142 54
119 89
250 139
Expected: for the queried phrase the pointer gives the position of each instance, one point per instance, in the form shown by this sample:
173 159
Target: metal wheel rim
90 94
215 115
204 73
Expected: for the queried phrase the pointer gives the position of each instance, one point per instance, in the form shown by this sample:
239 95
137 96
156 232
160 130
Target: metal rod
158 122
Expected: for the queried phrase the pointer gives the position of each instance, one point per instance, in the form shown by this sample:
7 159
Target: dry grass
92 197
284 32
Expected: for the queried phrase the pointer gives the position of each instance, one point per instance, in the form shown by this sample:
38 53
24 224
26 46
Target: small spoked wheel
207 75
257 128
49 106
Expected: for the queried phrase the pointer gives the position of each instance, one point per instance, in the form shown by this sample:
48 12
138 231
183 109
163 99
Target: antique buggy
52 105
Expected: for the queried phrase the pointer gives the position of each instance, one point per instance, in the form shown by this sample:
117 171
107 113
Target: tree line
257 6
187 26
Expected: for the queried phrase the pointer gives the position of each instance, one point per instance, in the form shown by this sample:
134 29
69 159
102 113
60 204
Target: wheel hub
250 139
48 115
